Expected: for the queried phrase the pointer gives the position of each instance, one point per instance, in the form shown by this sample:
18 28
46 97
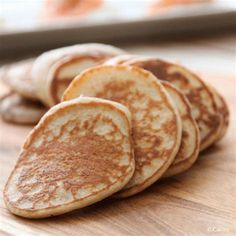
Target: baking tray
197 18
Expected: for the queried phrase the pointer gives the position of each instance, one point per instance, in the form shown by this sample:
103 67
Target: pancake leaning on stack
21 105
200 96
78 154
17 76
157 126
190 141
223 110
19 110
54 70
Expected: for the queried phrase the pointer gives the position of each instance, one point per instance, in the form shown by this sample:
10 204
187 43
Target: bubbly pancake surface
189 147
156 123
199 95
79 153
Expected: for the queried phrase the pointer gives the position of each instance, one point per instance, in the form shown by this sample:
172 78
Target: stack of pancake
114 129
38 83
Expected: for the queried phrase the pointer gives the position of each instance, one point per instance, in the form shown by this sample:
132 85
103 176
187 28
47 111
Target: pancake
19 110
17 76
189 148
223 110
204 109
156 122
54 70
78 154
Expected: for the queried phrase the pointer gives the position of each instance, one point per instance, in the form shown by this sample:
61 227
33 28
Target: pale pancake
17 76
78 154
156 122
204 109
19 110
223 110
190 142
54 70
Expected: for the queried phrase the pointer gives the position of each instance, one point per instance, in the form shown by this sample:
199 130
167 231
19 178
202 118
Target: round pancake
19 79
19 110
204 109
156 122
78 154
54 70
223 110
189 147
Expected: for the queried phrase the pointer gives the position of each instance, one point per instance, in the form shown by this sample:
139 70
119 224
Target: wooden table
201 201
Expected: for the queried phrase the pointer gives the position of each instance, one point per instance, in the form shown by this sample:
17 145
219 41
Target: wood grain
201 201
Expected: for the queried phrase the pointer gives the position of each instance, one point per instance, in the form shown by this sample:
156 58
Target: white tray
200 18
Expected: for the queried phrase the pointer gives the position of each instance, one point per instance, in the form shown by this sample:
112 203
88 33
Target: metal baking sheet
196 18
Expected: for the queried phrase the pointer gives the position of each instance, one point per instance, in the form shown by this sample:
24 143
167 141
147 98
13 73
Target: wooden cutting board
199 202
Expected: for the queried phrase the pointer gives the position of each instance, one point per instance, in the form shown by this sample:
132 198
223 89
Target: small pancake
223 110
189 147
204 109
19 79
19 110
78 154
156 122
54 70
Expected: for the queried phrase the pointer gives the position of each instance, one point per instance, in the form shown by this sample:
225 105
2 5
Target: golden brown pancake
204 109
78 154
189 147
19 110
223 110
17 76
156 122
54 70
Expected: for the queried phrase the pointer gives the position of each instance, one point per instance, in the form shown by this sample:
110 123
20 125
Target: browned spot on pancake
225 114
194 96
224 111
184 134
81 161
181 153
160 70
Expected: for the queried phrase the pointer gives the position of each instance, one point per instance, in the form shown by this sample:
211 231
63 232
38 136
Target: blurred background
28 26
